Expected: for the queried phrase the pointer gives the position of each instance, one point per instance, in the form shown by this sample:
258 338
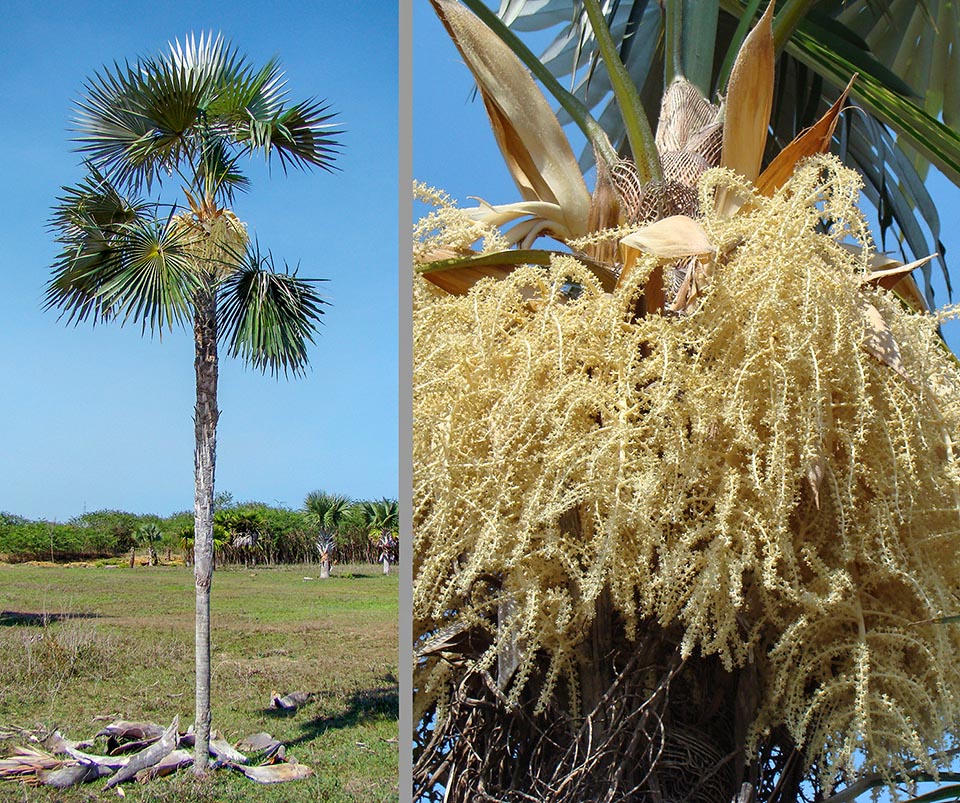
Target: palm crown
189 115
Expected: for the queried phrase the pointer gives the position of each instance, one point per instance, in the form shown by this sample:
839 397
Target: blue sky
94 418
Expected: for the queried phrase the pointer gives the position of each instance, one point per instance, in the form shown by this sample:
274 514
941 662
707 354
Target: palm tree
326 513
188 116
150 534
638 575
185 539
242 531
381 519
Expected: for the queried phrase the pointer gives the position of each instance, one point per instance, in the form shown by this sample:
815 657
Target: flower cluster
772 474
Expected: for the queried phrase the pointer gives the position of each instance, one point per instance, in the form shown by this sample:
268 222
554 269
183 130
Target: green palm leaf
268 318
933 139
137 122
246 92
199 105
380 515
300 136
325 510
97 200
119 260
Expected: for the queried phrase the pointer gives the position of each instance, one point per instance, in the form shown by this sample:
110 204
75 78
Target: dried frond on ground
768 479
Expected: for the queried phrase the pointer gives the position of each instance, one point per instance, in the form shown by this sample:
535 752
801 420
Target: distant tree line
329 528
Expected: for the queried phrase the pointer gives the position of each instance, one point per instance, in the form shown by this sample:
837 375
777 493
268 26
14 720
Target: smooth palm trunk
205 427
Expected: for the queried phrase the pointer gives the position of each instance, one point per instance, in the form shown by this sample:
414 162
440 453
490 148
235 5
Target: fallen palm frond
264 745
277 773
170 763
290 701
26 762
71 775
159 752
123 731
147 757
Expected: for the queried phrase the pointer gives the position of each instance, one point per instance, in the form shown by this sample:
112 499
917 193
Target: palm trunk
205 428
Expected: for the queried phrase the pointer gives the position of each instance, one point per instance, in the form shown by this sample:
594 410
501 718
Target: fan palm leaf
119 260
143 121
382 515
268 318
136 120
327 510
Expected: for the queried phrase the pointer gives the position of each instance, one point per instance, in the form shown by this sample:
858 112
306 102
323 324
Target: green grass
81 646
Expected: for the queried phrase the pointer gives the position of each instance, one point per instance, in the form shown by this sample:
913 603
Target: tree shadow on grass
364 705
13 618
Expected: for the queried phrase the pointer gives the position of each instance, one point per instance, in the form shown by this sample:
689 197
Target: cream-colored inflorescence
217 242
773 474
448 229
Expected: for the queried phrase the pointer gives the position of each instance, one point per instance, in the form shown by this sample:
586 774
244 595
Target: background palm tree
185 540
326 512
188 116
381 519
150 535
243 530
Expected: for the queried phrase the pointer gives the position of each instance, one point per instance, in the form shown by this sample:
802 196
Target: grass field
82 646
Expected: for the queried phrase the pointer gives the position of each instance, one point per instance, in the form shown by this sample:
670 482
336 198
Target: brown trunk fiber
205 428
594 657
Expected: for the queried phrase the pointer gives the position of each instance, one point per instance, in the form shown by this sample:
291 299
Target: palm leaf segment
191 113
